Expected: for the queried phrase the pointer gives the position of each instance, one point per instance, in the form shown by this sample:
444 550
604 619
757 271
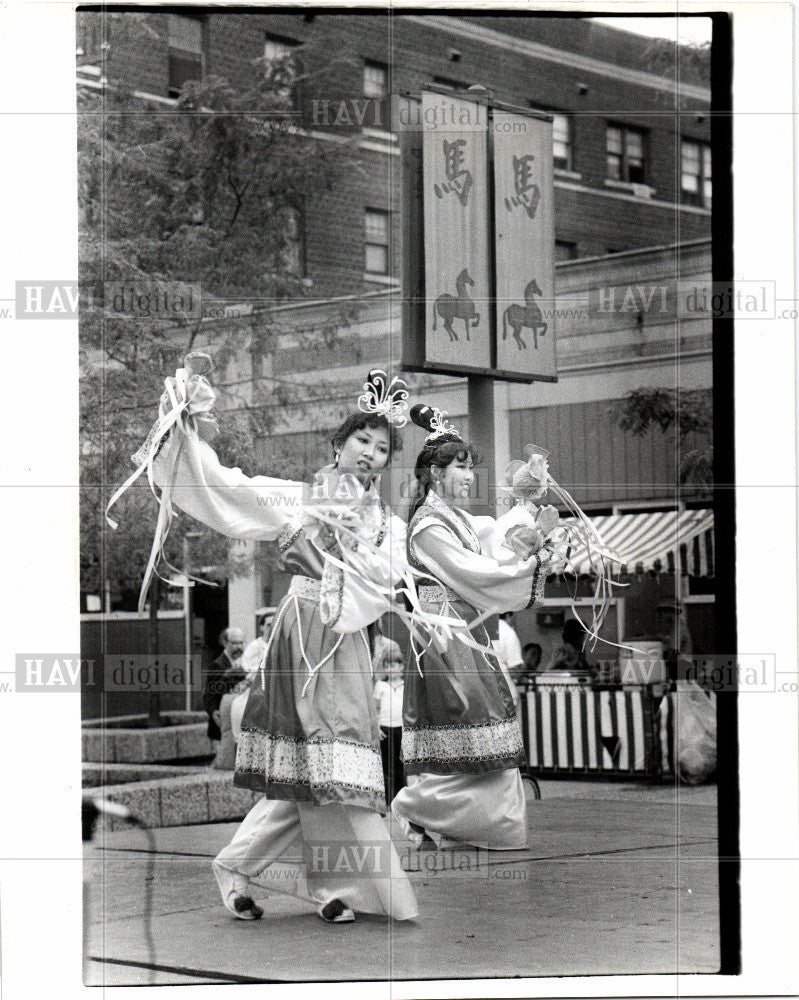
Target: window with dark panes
376 89
375 80
376 231
280 56
561 142
89 36
695 173
185 41
561 137
625 155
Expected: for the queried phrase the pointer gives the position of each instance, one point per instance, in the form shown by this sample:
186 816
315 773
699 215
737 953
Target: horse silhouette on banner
527 316
460 306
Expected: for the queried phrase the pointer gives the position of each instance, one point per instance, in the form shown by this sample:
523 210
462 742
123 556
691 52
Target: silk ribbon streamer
530 480
186 394
442 628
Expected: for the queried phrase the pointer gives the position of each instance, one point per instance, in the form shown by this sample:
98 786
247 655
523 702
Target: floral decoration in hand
524 540
534 531
528 481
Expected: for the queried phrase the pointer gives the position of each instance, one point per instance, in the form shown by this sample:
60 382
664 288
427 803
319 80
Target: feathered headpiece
386 398
432 420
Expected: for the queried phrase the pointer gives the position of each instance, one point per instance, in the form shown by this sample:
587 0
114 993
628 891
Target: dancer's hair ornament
389 399
432 420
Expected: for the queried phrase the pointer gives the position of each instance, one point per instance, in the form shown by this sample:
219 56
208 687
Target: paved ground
619 878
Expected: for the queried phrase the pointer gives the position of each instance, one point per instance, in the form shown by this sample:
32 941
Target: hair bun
377 379
422 416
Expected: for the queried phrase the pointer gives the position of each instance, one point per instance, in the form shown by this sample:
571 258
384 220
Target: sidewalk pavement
618 878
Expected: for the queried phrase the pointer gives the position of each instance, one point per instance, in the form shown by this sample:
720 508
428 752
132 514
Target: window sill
567 175
692 202
643 191
378 135
381 279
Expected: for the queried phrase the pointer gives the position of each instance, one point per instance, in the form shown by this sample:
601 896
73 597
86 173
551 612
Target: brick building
631 147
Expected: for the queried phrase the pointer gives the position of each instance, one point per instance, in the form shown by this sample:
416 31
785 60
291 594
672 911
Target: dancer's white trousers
319 853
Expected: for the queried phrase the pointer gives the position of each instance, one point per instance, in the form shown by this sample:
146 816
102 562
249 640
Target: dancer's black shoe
336 912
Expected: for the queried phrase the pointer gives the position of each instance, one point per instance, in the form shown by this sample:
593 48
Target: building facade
631 147
633 190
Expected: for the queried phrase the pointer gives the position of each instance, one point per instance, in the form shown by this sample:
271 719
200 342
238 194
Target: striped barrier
575 729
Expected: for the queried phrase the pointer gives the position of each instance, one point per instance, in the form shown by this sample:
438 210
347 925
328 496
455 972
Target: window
561 142
185 41
625 154
281 66
561 138
696 179
565 251
89 27
376 241
375 80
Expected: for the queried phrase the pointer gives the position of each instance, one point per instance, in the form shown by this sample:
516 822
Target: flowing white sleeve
484 582
239 506
369 578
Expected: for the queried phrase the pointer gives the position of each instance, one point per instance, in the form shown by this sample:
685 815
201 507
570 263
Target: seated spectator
254 653
673 633
225 674
531 661
569 655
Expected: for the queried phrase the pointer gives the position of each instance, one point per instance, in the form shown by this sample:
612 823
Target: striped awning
652 541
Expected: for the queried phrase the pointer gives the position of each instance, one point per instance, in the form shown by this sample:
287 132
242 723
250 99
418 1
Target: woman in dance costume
310 735
462 743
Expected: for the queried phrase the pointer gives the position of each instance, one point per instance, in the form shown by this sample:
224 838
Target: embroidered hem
470 745
330 795
445 766
319 770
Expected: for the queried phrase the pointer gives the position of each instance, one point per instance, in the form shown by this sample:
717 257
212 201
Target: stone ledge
143 746
205 797
95 774
139 720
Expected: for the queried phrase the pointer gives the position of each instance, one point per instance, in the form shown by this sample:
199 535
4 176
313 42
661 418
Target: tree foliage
687 61
181 210
690 413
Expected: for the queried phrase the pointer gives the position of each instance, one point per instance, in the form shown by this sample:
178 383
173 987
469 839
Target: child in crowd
389 668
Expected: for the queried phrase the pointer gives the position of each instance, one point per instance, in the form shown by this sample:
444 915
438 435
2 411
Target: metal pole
480 393
187 619
481 433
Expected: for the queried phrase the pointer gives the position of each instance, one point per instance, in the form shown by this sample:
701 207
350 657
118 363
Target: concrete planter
205 797
135 745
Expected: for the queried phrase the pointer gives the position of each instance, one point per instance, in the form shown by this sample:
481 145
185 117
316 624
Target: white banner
455 164
525 243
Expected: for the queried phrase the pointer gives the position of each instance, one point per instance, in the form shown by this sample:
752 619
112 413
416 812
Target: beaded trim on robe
433 595
288 536
313 767
489 741
305 586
